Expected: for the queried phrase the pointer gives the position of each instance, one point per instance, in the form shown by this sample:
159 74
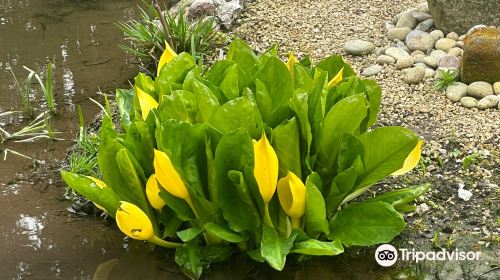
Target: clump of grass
470 160
46 86
446 79
147 37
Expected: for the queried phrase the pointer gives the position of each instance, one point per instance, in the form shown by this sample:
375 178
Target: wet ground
39 237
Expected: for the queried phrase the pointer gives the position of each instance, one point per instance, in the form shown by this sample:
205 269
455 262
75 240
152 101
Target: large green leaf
273 249
223 232
188 257
399 199
303 79
241 53
298 104
229 85
315 215
374 95
286 143
333 64
350 149
174 72
147 84
207 102
189 234
179 206
366 224
179 105
315 247
125 104
140 142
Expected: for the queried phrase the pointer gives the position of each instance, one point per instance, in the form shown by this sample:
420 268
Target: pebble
414 75
438 54
437 34
404 62
359 47
421 16
425 25
453 36
401 45
379 51
496 88
407 20
419 40
455 51
396 53
371 71
431 61
385 59
459 44
388 25
449 61
398 33
487 102
423 7
479 89
445 44
474 28
429 73
468 102
418 56
456 91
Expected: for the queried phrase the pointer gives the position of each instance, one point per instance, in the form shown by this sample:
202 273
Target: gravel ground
452 133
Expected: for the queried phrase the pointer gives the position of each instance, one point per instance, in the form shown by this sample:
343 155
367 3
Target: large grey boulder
461 15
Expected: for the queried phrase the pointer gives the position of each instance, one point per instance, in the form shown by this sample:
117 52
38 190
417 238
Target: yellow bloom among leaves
337 79
101 185
134 222
168 177
265 168
412 160
165 58
152 190
146 101
292 195
291 61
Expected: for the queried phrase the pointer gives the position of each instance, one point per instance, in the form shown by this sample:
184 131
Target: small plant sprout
446 79
47 86
470 160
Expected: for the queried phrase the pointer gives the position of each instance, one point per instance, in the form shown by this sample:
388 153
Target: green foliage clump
446 79
204 124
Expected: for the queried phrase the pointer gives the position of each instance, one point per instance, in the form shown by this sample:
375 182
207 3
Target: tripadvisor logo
387 255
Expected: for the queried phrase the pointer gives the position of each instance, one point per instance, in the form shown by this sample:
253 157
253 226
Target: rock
460 15
414 75
398 33
459 44
371 71
388 25
407 20
474 28
456 91
480 89
481 56
425 25
438 54
455 51
429 73
449 61
385 59
437 34
396 53
468 102
201 8
453 36
423 7
379 51
404 62
464 194
227 12
422 208
431 61
359 47
419 40
402 46
487 102
418 56
445 44
496 88
421 16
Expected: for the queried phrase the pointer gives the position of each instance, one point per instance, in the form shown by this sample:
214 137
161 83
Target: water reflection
31 227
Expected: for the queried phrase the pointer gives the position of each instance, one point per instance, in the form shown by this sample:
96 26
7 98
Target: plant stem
190 203
267 217
295 223
168 38
163 243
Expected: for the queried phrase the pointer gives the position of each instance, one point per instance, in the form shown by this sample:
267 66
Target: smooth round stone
480 89
429 73
445 44
388 25
407 20
496 88
371 71
423 7
438 54
385 59
401 45
449 61
414 75
455 51
453 36
359 47
459 44
419 40
398 33
379 51
404 62
487 102
421 16
456 91
437 34
476 27
418 56
425 25
468 102
396 53
431 61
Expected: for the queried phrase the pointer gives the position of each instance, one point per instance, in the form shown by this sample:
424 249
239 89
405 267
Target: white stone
371 71
480 89
385 59
445 44
487 102
359 47
456 91
396 53
404 62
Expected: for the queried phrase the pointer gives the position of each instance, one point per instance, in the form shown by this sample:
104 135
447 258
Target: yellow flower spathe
292 195
134 222
101 185
335 80
165 58
152 190
146 101
168 177
291 61
265 168
411 160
